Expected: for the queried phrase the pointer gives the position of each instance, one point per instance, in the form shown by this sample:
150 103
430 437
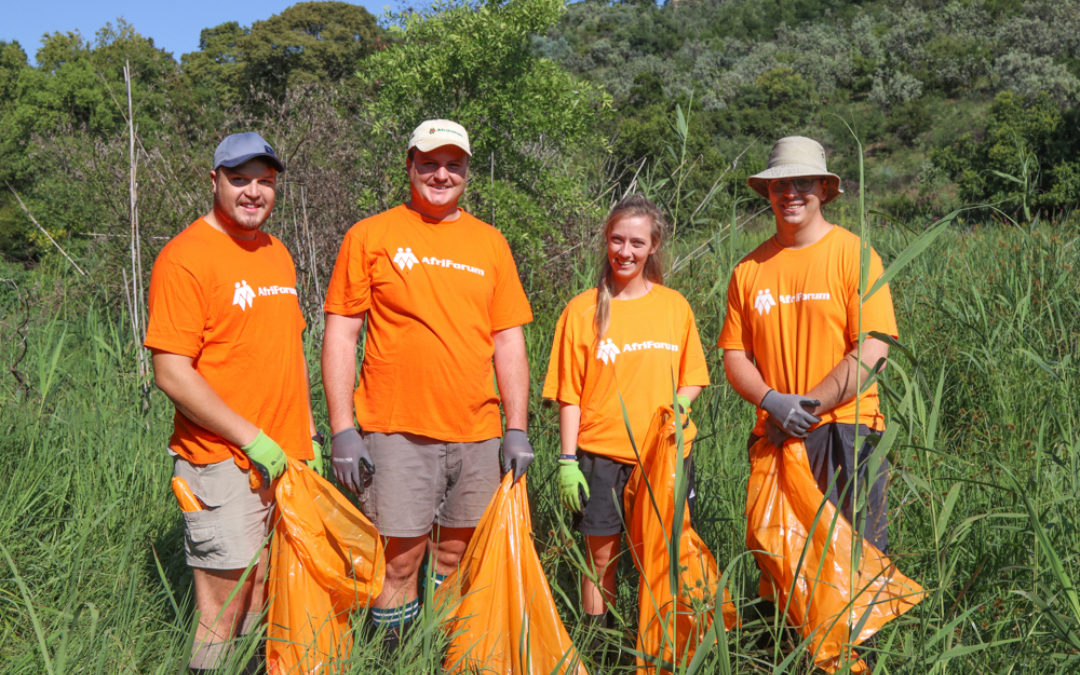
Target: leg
603 550
403 558
448 546
218 616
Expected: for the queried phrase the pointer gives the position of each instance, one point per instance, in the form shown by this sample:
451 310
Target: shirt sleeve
877 310
565 377
735 334
693 369
509 306
349 291
177 310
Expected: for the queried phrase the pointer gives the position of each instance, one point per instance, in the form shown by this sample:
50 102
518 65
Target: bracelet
573 457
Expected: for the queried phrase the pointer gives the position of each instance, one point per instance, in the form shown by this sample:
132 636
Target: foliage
310 42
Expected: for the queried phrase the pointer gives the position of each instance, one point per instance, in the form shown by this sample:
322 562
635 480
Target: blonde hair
627 207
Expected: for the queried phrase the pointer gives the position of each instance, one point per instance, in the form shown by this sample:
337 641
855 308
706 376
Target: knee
403 565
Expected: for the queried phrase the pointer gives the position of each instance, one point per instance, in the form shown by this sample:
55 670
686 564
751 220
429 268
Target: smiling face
437 180
243 197
796 203
629 244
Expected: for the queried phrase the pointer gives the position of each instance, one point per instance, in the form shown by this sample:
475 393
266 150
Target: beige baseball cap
796 157
433 134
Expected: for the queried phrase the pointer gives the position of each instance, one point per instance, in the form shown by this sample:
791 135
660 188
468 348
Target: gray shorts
419 481
231 528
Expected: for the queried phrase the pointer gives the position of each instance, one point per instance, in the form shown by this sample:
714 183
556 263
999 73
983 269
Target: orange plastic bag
808 570
502 615
669 630
326 559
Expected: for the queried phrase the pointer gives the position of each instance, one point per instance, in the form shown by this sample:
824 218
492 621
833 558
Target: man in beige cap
791 335
444 309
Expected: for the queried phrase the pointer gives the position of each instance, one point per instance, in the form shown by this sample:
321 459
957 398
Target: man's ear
213 182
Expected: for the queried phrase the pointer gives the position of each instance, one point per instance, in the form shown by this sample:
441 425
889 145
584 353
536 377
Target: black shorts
602 514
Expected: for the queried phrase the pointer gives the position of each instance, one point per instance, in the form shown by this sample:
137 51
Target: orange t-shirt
231 306
797 312
651 348
435 294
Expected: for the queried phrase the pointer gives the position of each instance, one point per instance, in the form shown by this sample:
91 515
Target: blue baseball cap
239 148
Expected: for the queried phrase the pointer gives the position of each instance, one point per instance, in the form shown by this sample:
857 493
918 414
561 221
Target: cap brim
427 145
237 161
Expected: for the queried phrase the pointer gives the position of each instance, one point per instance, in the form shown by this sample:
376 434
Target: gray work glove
791 412
517 452
352 462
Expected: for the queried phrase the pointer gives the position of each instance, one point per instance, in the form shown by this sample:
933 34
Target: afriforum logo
607 351
405 259
244 295
764 301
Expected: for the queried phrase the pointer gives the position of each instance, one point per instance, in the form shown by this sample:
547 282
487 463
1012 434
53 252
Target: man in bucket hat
444 309
225 331
791 334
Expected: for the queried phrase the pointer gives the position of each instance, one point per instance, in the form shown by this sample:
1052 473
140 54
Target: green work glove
316 462
572 484
267 458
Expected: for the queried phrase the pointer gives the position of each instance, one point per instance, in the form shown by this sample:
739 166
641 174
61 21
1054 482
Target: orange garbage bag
502 615
668 629
325 560
807 568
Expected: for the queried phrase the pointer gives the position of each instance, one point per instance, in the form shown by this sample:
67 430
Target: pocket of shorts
199 535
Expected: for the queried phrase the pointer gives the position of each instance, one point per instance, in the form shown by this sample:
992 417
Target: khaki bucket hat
796 157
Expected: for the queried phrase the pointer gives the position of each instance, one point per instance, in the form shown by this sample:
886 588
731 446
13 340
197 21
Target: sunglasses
801 185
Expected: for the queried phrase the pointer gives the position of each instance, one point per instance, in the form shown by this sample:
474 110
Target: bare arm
744 376
193 396
840 384
512 375
691 391
339 367
569 423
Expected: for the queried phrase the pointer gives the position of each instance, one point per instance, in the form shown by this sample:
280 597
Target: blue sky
174 25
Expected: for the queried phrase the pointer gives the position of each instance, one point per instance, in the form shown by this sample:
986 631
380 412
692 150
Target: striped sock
399 616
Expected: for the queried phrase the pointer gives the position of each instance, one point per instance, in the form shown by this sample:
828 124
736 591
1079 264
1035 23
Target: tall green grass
982 404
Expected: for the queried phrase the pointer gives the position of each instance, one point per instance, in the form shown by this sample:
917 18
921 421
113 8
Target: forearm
197 401
691 392
339 369
744 377
569 423
512 376
847 378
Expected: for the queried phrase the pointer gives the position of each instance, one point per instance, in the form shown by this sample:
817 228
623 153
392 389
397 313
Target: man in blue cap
225 330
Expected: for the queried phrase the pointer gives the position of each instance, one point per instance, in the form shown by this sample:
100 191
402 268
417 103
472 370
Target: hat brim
237 161
429 144
759 181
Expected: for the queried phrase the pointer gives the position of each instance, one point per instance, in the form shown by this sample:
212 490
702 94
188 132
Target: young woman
627 342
